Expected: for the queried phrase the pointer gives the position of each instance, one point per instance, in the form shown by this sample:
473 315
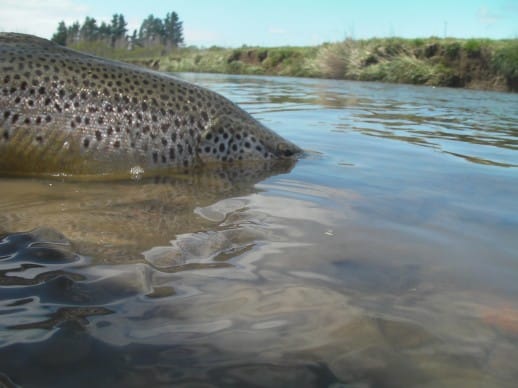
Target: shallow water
386 257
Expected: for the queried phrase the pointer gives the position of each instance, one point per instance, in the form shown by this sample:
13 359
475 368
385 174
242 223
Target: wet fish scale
62 111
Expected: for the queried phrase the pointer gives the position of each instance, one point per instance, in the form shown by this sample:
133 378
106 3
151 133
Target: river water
386 257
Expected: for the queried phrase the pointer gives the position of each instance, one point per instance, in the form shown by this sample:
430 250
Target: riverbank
468 63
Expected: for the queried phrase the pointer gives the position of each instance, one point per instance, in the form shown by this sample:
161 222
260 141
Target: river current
387 256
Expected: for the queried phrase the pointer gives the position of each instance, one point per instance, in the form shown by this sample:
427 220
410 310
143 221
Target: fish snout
287 150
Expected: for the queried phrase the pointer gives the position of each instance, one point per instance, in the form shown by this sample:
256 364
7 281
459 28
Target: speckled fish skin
65 112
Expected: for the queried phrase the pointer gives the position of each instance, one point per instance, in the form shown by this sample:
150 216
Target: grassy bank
471 63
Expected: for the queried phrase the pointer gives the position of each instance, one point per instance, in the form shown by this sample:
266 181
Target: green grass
472 63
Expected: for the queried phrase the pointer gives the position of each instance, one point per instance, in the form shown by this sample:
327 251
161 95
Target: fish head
234 138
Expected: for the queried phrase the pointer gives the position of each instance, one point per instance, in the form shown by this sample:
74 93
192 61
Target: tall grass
474 63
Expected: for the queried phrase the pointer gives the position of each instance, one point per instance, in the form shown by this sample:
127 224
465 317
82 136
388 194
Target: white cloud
39 17
487 17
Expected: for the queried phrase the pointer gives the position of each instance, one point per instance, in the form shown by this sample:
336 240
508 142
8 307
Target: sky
233 23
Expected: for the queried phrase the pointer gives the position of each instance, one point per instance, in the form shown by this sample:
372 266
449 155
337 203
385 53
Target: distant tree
104 32
151 31
89 29
60 37
133 40
118 30
73 33
173 30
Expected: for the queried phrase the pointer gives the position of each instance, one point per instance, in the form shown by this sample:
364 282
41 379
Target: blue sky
279 22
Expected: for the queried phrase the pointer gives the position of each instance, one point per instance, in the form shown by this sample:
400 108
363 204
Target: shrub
452 50
505 62
473 47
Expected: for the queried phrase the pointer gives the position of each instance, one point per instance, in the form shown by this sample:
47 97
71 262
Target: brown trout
63 112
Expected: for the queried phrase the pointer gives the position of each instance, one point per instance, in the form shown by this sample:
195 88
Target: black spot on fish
180 148
15 117
39 139
155 157
116 144
7 114
247 144
98 135
5 135
173 137
172 155
48 119
86 142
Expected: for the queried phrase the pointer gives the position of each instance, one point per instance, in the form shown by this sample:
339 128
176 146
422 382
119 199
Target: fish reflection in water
148 225
115 221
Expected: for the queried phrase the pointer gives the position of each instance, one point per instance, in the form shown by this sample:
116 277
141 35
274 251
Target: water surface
386 257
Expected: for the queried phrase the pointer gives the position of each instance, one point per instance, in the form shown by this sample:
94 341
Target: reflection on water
385 257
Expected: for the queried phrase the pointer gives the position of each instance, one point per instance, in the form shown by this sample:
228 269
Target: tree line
153 31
